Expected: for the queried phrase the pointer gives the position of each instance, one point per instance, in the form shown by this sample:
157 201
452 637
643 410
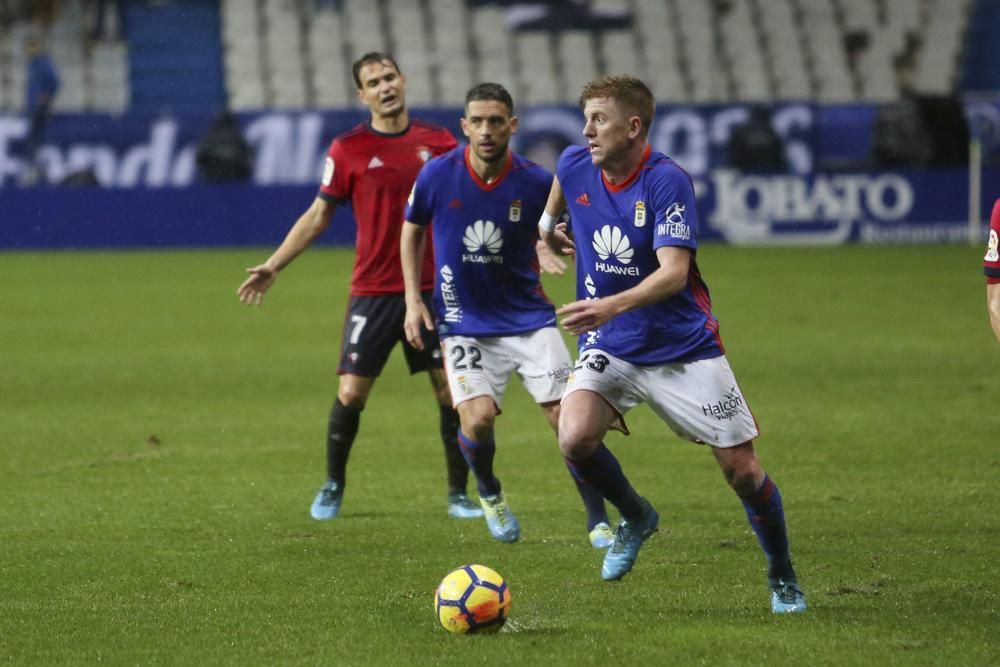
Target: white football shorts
699 400
483 366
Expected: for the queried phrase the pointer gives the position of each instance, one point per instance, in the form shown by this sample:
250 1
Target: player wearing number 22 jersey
487 275
490 312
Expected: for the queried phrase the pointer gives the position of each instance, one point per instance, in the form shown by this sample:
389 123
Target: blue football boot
628 540
786 596
601 536
460 507
327 502
500 520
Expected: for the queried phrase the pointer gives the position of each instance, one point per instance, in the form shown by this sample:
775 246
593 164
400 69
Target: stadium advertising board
137 156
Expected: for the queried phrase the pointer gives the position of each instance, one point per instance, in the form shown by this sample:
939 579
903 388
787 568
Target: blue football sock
767 518
593 501
602 471
480 458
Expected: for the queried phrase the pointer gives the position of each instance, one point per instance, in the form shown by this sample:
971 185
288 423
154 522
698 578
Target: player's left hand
547 260
586 315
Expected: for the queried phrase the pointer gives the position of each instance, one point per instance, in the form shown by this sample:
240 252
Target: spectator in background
42 85
901 138
755 146
223 153
101 29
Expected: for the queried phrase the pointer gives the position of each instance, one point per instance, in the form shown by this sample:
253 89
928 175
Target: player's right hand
251 291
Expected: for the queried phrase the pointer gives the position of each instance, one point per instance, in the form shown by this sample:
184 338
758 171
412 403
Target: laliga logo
610 241
483 233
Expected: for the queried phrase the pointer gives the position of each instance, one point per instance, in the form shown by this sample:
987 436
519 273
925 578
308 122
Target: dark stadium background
878 102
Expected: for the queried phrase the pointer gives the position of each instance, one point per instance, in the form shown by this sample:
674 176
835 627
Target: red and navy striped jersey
991 261
617 229
374 171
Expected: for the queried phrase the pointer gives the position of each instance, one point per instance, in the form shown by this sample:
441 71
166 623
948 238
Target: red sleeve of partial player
448 142
991 262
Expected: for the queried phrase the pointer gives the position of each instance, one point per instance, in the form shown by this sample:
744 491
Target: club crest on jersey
424 153
640 214
515 211
991 251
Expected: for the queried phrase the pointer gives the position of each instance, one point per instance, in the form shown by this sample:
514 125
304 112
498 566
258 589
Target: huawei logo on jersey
483 234
610 242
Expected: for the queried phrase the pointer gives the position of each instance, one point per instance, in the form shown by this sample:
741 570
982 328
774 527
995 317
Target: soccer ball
472 598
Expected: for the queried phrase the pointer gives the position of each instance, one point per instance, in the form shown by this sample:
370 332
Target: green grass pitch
161 444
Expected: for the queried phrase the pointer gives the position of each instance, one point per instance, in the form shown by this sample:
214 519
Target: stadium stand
94 74
175 56
982 49
254 54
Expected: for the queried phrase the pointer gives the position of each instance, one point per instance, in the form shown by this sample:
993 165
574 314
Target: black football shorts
372 327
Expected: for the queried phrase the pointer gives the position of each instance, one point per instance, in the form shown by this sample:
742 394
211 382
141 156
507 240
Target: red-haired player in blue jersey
372 167
647 332
991 267
490 311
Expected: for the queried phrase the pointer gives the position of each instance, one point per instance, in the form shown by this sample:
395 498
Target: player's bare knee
352 396
477 424
743 481
442 395
576 443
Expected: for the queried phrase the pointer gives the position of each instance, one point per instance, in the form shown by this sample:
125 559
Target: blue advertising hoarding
152 195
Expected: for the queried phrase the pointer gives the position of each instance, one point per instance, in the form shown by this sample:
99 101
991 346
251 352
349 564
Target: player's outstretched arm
555 234
993 304
412 241
587 315
310 224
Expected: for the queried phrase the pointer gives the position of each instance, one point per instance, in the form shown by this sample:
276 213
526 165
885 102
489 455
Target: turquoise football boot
460 507
786 596
628 540
601 536
327 502
500 520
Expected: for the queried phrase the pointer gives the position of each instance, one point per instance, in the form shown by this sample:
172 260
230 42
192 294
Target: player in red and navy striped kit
991 267
373 167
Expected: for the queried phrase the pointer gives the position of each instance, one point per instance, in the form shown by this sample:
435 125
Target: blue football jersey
617 229
486 270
